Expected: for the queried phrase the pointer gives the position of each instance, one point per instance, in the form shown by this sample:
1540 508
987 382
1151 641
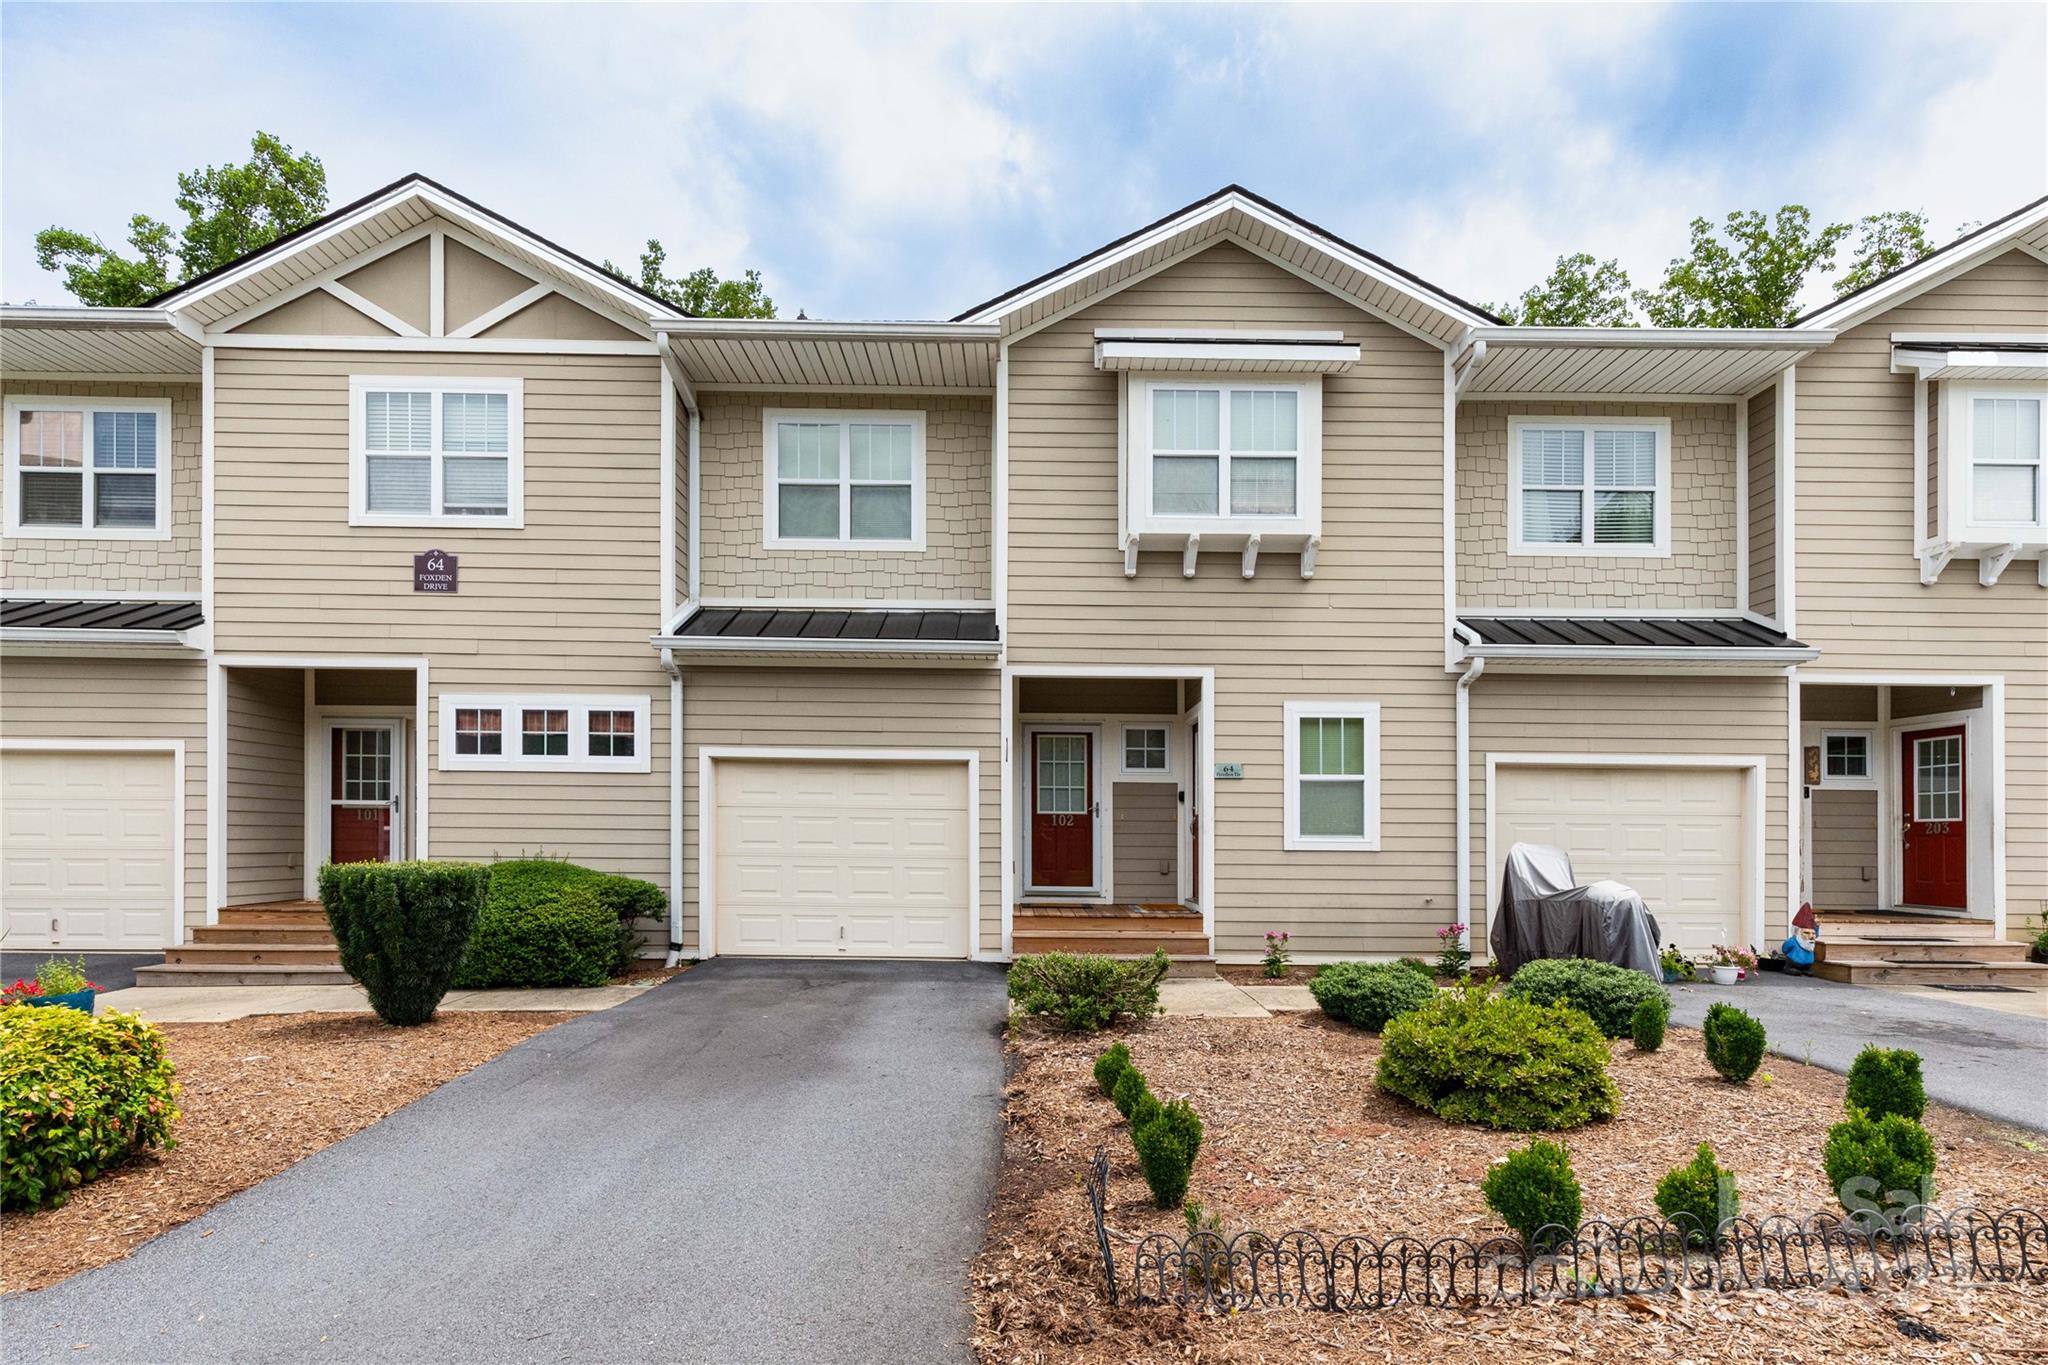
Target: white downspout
675 796
1464 785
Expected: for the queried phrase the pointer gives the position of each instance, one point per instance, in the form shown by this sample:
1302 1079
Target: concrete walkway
219 1004
758 1161
1211 997
1988 1061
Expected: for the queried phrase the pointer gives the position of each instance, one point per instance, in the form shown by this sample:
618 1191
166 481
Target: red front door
1937 845
1063 810
360 791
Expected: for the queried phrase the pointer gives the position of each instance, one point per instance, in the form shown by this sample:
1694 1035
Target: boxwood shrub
519 884
1536 1193
568 938
1111 1066
1086 991
1606 993
1885 1080
78 1096
1646 1025
1698 1198
402 929
1734 1040
1167 1141
1368 994
1880 1168
1471 1056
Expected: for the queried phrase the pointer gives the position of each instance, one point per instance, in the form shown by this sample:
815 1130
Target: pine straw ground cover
1298 1138
257 1095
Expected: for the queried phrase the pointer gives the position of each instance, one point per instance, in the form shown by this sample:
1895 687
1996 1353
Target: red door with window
1933 803
360 792
1063 810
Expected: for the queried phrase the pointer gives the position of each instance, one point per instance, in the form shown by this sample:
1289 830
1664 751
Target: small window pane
1552 518
1145 749
1262 487
880 453
611 734
476 421
1553 458
51 499
475 487
399 483
1333 810
1186 419
479 731
2005 493
1184 485
126 500
1624 518
124 440
1263 420
879 513
807 450
398 421
1847 756
544 734
2006 429
807 511
1625 459
53 440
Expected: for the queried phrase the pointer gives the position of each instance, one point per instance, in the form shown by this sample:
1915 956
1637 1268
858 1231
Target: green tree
1885 242
229 211
700 293
1750 279
1580 292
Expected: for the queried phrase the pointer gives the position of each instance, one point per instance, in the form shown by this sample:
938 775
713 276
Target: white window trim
17 403
1128 774
1660 546
579 705
361 385
1307 521
1867 782
1294 713
1958 467
844 542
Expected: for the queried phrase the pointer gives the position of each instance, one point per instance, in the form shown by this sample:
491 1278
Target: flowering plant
1452 956
1276 952
1676 964
57 976
1726 956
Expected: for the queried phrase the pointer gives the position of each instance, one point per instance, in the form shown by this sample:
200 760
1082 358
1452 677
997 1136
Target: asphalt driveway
1977 1059
756 1162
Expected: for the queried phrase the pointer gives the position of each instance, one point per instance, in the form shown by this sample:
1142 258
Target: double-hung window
843 480
1224 450
2005 457
1582 487
533 732
436 452
1332 799
88 468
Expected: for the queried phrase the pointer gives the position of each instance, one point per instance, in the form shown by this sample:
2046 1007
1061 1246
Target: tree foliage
700 293
1579 292
229 210
1884 242
1748 274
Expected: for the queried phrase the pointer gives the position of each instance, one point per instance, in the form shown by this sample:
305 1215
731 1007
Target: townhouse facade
1228 576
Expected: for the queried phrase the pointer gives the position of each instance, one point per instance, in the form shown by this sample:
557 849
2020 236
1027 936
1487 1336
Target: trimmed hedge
1604 992
1167 1142
1735 1042
1536 1193
403 928
1086 992
1882 1167
518 884
1129 1089
1885 1080
78 1096
570 938
1698 1198
1368 994
1470 1056
1646 1025
1111 1066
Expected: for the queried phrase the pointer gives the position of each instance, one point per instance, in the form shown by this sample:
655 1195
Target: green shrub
1646 1025
1470 1056
78 1096
1417 966
402 929
1536 1194
1084 991
1110 1067
1368 994
1698 1198
1128 1089
1604 992
1886 1080
519 884
1735 1042
569 938
1880 1166
1145 1110
1166 1145
2040 952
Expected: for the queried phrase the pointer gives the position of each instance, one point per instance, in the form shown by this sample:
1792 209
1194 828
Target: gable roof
1234 213
2025 227
361 224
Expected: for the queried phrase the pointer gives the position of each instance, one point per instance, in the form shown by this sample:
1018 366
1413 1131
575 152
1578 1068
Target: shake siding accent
848 708
103 699
1844 850
1368 626
34 563
266 774
1860 597
1622 716
1147 830
959 460
565 605
1699 571
1763 502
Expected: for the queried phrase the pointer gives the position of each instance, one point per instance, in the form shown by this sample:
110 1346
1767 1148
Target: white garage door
836 859
1674 834
87 849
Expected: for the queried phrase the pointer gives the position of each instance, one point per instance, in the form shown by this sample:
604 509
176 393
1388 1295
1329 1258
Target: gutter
1641 654
752 644
1464 781
675 786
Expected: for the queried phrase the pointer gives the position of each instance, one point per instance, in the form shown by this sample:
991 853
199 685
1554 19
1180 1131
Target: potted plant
1677 966
58 982
1731 965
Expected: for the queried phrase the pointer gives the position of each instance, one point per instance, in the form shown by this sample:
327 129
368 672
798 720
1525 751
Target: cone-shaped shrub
1886 1080
1535 1192
1127 1089
1646 1025
402 929
1735 1042
1111 1066
1166 1145
1698 1198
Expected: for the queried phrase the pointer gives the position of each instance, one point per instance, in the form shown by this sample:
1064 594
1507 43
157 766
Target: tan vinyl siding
848 709
475 284
318 314
119 699
959 460
1763 502
1844 850
1369 625
1146 838
1699 571
1860 597
1726 717
399 282
266 778
172 567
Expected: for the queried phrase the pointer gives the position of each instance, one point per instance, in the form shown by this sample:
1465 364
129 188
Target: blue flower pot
77 1000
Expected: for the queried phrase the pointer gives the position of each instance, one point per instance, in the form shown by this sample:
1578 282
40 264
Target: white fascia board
1326 356
1929 363
82 317
777 329
142 641
1639 654
747 644
1929 272
1650 338
1289 336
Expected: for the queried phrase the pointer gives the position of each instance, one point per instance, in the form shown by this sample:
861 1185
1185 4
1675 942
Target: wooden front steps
1123 930
1870 949
280 943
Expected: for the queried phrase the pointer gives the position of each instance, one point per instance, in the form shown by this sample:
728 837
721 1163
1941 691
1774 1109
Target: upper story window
843 480
1241 458
88 468
436 452
2003 444
1589 488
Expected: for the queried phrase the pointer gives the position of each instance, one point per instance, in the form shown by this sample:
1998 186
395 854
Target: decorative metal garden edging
1601 1259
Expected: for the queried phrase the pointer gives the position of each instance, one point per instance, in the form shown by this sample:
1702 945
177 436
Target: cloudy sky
908 162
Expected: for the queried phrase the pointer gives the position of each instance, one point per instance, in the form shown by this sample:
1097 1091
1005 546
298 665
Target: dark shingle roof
1628 632
805 623
75 614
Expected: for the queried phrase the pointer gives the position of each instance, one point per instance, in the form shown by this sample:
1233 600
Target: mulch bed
257 1095
1298 1138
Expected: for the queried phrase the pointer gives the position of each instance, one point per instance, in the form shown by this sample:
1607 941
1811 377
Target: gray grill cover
1545 913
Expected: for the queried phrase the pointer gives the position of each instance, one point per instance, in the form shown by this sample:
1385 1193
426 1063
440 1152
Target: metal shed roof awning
100 622
1956 357
1682 641
1646 363
835 634
1223 352
135 343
